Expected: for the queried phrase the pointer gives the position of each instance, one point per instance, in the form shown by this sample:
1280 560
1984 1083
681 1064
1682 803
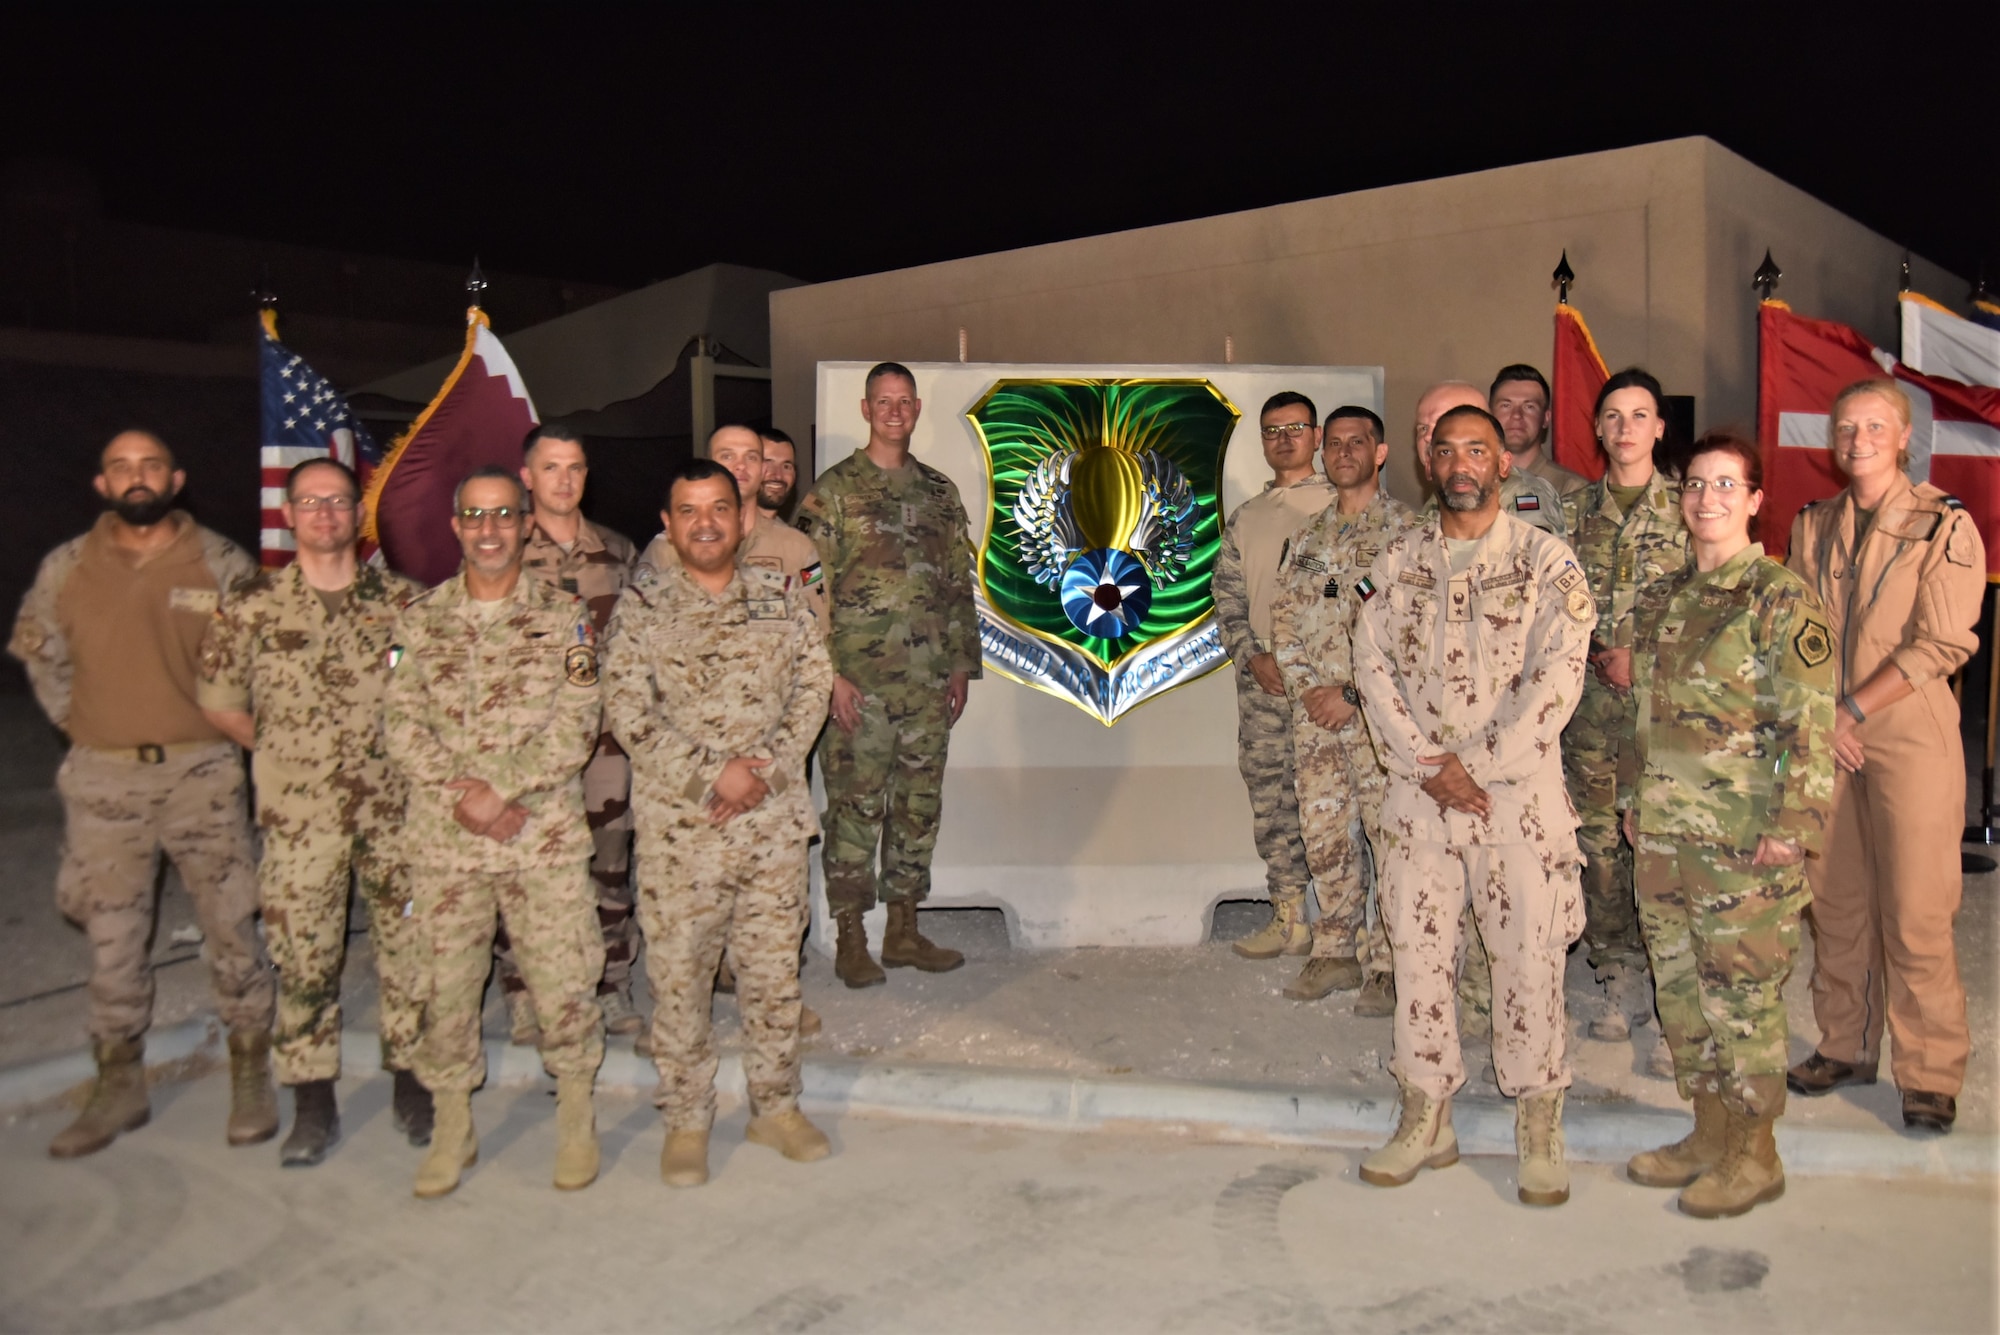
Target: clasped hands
483 811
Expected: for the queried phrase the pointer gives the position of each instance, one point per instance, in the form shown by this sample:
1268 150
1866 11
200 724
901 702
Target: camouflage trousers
1528 907
119 814
553 916
607 807
884 786
1722 935
303 883
702 890
1264 756
1603 719
1339 788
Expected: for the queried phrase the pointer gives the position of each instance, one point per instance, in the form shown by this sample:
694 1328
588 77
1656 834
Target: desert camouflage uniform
1254 545
126 800
595 569
1528 497
898 567
328 799
509 696
773 545
1620 553
692 679
1487 665
1733 674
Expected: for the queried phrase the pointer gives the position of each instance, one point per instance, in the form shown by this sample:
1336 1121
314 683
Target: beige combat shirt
1254 542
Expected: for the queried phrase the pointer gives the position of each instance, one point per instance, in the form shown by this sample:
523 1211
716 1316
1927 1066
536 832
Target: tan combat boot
903 946
1538 1140
1378 996
1324 975
454 1145
524 1030
684 1158
851 962
577 1156
117 1101
1423 1139
1286 933
809 1021
1747 1175
1688 1158
790 1134
253 1099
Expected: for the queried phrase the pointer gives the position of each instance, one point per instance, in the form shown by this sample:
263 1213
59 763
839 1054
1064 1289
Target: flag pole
475 288
1562 278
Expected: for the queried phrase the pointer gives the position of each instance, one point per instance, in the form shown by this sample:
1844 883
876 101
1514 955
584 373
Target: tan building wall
1432 280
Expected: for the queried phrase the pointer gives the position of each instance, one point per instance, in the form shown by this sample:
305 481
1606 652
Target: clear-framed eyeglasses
339 505
1727 486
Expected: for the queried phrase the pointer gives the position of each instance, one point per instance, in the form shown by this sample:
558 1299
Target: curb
1046 1101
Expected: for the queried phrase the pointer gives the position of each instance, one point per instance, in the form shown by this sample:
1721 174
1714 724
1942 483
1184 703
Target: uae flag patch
1366 588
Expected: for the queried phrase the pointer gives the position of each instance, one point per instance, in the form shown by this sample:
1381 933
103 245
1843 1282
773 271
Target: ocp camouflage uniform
1486 664
508 695
328 799
692 680
111 645
1619 553
898 564
1244 585
595 569
1338 777
1733 675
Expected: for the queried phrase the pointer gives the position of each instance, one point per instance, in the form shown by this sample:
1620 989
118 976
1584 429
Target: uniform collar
1729 575
587 539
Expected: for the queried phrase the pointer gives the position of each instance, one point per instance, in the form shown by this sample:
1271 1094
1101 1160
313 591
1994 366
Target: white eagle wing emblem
1049 536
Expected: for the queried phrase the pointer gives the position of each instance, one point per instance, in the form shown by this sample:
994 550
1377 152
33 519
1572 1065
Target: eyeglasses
1292 429
506 516
1694 486
338 504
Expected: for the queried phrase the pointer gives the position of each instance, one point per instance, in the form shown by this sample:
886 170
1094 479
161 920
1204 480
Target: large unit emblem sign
1103 531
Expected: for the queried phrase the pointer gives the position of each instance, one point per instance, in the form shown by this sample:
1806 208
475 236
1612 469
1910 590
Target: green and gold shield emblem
1102 532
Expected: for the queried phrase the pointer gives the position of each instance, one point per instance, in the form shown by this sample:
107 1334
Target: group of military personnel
480 759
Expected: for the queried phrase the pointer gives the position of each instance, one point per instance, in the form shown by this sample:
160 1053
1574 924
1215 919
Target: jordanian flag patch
809 576
1366 588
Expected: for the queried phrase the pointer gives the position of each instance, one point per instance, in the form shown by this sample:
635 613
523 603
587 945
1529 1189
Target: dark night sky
628 145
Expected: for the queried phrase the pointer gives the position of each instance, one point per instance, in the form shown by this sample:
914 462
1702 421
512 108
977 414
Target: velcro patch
204 601
1813 644
810 576
1417 579
1366 588
1527 500
580 665
1569 578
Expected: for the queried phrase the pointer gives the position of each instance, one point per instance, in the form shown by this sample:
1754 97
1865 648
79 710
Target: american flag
304 417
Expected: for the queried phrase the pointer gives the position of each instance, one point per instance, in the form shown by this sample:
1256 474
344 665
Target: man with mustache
111 636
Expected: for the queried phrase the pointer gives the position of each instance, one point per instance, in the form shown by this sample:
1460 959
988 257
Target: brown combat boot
410 1108
315 1125
903 946
790 1134
253 1099
1748 1174
1688 1158
851 962
809 1021
117 1101
454 1146
1378 996
577 1155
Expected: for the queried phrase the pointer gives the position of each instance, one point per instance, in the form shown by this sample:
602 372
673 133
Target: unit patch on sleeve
1813 644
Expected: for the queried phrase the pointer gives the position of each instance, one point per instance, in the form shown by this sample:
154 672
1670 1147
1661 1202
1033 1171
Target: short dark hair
1357 411
1519 371
1285 398
484 471
697 470
324 461
773 433
1632 377
881 369
552 431
1722 440
1469 410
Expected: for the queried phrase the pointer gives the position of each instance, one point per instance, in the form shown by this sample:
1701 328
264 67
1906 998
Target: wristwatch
1349 694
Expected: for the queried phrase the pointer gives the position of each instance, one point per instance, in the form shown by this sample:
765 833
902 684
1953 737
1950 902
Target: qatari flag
480 417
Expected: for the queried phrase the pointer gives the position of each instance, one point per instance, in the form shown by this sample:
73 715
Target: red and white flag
481 416
1802 365
1579 374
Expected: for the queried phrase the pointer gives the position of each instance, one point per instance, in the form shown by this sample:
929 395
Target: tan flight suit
1885 894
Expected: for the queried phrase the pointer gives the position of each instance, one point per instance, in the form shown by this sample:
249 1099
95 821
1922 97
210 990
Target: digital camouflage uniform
898 562
1487 665
1733 675
328 800
692 680
126 799
1337 775
510 696
1244 585
1620 553
774 546
595 569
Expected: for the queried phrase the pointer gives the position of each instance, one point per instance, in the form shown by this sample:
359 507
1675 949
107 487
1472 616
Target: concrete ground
923 1228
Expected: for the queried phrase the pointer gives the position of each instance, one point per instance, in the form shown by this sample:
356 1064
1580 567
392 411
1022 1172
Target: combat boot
577 1155
1688 1158
1538 1140
1423 1139
524 1030
1323 976
253 1099
684 1158
1286 933
619 1015
410 1108
903 946
790 1134
851 962
117 1100
315 1125
809 1021
454 1146
1747 1175
1378 996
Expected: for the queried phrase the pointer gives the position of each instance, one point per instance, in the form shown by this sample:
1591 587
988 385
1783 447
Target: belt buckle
152 753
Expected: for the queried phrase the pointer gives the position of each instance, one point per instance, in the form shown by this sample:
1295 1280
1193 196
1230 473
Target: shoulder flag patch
1813 644
810 576
1366 588
1527 500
